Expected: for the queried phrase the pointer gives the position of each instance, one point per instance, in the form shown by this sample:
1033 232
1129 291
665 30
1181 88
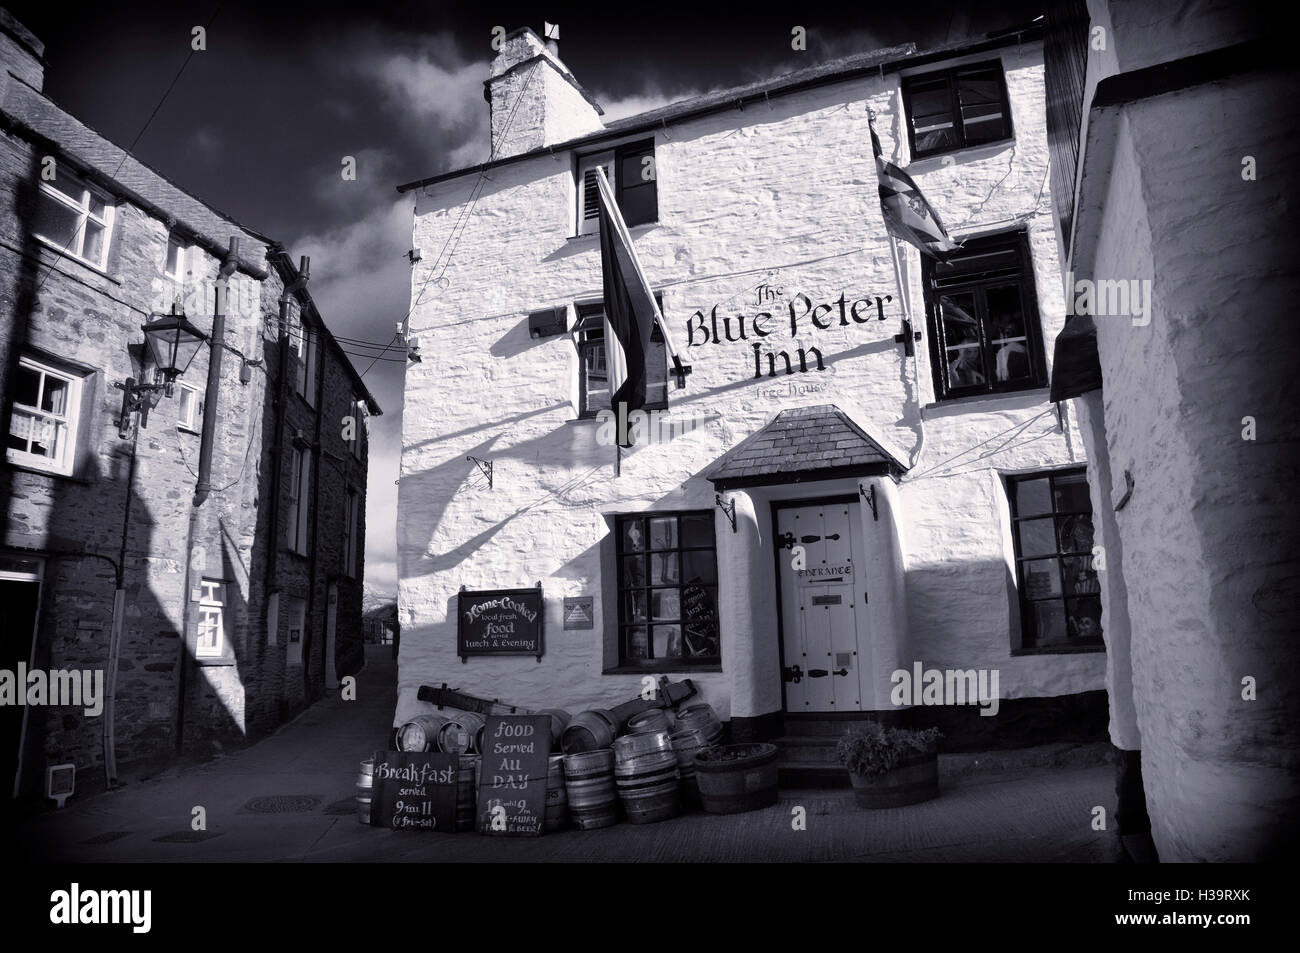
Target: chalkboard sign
512 774
414 791
499 622
699 620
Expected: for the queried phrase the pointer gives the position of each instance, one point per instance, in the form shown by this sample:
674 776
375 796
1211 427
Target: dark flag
907 214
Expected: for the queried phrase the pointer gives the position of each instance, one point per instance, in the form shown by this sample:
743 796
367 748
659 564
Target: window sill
216 661
933 160
1062 650
42 471
61 256
1038 394
662 668
632 230
184 429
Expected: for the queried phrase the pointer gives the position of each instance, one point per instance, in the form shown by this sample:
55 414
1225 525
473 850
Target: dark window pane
939 137
639 205
1076 533
632 535
1006 333
665 605
1037 537
667 641
1046 624
1042 578
700 567
27 386
1072 494
637 645
663 532
1085 619
697 530
1080 577
634 606
57 223
664 570
630 169
1032 497
633 571
961 340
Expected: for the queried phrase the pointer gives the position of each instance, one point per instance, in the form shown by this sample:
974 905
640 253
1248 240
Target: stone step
806 748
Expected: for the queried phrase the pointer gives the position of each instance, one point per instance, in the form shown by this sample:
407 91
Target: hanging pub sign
499 622
414 791
512 774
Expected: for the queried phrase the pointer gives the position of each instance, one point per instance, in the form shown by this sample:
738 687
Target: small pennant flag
907 214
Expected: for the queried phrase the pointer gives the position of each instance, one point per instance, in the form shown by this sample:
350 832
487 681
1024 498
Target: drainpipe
115 633
204 484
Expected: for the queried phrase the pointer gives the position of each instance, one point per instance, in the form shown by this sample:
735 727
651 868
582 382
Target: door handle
843 671
817 673
792 673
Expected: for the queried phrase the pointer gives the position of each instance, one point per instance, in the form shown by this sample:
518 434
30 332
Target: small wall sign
579 612
499 622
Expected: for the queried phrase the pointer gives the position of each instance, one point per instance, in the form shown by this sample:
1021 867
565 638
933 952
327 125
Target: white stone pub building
890 507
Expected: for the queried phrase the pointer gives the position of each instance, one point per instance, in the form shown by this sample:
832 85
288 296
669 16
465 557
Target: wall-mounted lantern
173 343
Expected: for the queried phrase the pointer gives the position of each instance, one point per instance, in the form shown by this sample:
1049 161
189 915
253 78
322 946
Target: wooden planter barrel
421 732
737 778
589 786
702 718
365 789
914 779
645 770
466 791
588 731
557 798
460 733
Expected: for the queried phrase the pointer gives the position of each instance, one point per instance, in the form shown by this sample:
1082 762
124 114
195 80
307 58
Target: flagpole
905 299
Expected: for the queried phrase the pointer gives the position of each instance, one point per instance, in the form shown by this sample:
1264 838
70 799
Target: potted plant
890 767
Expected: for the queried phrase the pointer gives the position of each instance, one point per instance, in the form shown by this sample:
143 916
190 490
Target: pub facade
860 480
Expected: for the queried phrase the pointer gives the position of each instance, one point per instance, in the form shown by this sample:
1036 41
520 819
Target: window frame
1026 644
358 419
950 73
585 336
625 662
980 285
192 423
299 501
65 463
611 158
211 604
106 221
182 247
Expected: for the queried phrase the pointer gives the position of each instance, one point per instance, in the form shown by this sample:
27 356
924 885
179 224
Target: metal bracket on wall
907 338
485 467
870 497
728 509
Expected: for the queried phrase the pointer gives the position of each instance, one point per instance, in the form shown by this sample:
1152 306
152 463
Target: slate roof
802 444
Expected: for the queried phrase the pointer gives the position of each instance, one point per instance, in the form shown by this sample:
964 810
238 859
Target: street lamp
173 341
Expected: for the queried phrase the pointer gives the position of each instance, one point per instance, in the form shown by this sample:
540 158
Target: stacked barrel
645 770
557 796
466 791
589 782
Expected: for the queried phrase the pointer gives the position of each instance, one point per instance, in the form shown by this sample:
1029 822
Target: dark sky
258 123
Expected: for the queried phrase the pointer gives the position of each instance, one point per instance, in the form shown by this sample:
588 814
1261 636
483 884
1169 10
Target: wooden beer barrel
645 771
653 719
589 787
421 732
557 798
588 731
458 735
466 791
687 743
559 721
365 789
702 718
736 778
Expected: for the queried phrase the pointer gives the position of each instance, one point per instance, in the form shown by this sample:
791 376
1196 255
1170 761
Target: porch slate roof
803 444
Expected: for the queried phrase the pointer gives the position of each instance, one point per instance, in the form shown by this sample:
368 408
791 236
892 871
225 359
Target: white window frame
589 224
70 420
76 248
187 421
174 241
352 500
358 420
299 498
211 620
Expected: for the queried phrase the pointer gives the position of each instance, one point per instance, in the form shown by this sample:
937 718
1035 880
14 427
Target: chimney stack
535 101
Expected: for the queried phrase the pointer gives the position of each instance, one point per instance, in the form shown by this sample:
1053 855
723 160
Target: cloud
621 107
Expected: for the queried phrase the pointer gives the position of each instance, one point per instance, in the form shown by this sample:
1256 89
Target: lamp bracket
728 509
485 467
870 497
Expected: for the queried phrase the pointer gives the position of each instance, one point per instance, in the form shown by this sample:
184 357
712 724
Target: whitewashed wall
786 194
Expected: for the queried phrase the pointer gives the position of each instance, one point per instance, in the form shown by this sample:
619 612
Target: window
43 422
175 265
983 315
1060 595
299 498
593 376
302 342
187 415
75 218
956 108
667 589
350 534
211 641
358 422
632 174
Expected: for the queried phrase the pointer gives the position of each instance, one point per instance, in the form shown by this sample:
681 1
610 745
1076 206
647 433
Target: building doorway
825 650
20 594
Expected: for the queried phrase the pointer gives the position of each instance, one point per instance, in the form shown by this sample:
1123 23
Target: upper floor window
175 265
983 318
358 423
632 174
593 375
187 411
44 417
1060 594
74 217
299 501
302 342
211 641
956 108
667 589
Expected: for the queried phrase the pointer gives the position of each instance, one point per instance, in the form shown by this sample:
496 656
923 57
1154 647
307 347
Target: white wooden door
821 628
